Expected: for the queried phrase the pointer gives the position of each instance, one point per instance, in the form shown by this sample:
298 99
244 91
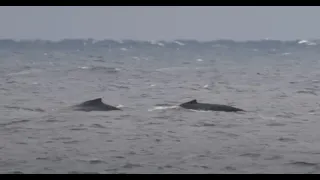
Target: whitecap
180 43
136 58
307 42
160 44
120 106
163 108
83 67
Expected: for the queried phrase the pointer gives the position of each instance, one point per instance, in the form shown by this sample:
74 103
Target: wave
180 43
24 108
163 107
100 69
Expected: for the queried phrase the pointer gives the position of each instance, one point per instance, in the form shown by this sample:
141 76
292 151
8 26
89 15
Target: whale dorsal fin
93 102
193 102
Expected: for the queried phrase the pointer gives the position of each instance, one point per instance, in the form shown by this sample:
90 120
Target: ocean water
277 82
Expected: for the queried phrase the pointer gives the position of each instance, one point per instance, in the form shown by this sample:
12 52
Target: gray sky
160 23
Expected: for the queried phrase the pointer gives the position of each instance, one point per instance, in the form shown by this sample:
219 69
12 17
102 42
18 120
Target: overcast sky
159 23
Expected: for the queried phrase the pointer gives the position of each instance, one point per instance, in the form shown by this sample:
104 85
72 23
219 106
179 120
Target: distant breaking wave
101 69
108 43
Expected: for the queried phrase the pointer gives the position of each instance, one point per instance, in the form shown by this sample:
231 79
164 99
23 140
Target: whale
194 105
94 105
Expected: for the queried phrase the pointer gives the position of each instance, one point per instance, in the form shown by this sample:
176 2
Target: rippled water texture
276 82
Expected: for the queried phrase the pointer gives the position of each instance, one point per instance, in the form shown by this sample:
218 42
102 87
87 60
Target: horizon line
160 40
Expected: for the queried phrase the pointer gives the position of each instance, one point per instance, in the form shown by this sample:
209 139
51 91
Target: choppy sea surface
277 82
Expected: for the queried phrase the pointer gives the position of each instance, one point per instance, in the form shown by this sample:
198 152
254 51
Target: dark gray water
277 82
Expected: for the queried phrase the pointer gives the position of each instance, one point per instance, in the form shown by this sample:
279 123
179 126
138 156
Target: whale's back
209 107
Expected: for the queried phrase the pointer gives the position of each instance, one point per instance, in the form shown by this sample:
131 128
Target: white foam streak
163 108
180 43
307 43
